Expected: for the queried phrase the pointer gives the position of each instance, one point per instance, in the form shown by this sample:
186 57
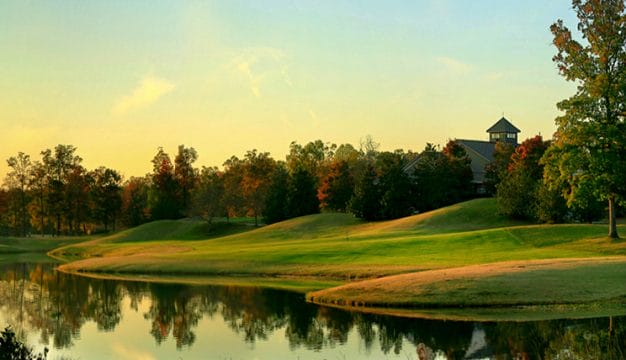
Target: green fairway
338 245
341 247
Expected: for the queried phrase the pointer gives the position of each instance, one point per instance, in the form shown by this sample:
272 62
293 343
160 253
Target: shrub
12 349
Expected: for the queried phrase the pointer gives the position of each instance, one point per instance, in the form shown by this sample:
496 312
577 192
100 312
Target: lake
84 318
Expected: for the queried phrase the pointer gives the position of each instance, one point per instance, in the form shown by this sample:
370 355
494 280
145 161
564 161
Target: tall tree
18 180
517 192
208 195
39 191
277 200
77 199
303 194
459 172
233 194
365 202
258 169
163 196
185 175
135 208
106 193
589 150
337 187
496 170
59 164
395 185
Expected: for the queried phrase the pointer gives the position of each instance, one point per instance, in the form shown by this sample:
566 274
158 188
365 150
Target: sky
117 79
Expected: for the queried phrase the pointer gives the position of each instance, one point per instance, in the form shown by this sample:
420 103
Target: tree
258 168
459 173
185 175
518 191
233 194
497 170
39 191
394 185
59 164
276 202
207 198
589 149
365 202
77 199
337 187
106 193
135 210
429 179
303 194
18 180
163 199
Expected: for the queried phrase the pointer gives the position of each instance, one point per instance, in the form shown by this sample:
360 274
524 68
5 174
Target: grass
341 247
35 244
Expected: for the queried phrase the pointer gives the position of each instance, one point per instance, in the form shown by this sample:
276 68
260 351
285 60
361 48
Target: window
511 135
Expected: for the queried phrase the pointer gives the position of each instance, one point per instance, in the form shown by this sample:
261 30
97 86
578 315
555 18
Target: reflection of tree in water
57 305
175 308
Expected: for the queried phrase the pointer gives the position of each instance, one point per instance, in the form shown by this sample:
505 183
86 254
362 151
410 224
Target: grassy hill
339 245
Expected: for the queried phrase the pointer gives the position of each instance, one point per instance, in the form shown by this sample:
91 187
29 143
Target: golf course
463 255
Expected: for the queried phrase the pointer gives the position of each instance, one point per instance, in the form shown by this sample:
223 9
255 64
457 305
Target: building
481 152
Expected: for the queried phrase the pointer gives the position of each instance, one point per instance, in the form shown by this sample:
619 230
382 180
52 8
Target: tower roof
503 126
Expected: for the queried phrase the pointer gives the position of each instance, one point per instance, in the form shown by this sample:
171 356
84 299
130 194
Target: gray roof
483 148
503 126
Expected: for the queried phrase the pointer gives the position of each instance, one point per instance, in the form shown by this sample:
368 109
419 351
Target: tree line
57 195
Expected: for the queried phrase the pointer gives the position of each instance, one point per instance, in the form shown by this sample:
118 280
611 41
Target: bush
12 349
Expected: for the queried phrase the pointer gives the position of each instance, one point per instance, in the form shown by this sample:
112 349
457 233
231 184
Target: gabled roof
483 148
503 126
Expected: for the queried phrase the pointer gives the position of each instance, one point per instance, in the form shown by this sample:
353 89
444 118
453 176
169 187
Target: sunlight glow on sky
118 79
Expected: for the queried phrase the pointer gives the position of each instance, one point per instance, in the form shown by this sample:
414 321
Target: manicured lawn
339 246
452 240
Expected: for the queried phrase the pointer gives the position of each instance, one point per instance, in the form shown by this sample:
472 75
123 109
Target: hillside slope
339 245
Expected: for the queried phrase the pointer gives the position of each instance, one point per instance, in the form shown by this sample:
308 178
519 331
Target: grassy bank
506 284
423 248
34 248
338 245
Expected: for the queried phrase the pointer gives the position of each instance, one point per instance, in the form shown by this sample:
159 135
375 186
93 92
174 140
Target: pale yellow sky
119 80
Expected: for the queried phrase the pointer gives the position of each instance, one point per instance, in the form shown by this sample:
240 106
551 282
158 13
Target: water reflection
56 306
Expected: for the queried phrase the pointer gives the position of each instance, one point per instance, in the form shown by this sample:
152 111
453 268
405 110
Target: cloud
454 65
260 65
149 91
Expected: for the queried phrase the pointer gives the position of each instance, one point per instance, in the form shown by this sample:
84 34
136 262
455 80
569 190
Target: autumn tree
589 149
257 170
336 187
518 191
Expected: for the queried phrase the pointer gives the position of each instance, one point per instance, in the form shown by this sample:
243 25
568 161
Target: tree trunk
612 219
